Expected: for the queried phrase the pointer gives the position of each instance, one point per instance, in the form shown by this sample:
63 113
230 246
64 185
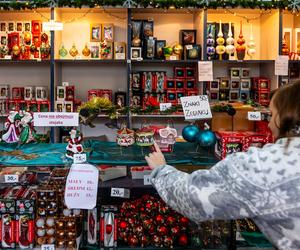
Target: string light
248 19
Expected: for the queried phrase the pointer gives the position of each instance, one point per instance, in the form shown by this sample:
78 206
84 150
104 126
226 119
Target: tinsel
164 4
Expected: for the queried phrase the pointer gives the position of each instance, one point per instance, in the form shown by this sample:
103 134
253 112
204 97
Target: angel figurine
12 127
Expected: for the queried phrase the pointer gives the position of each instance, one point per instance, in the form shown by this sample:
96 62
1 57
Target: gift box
190 72
179 84
214 85
108 227
224 95
261 84
228 142
147 82
165 137
179 94
170 84
29 93
254 139
136 81
17 93
40 93
105 93
245 72
68 106
70 93
36 26
235 73
159 82
111 172
234 95
44 106
190 84
235 84
179 72
60 93
262 97
224 83
244 95
4 92
140 172
245 84
214 96
171 96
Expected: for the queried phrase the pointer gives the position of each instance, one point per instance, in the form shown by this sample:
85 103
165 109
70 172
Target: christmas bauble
44 38
190 132
27 37
168 242
177 49
175 230
171 220
62 51
86 51
159 219
122 225
162 230
183 240
73 51
136 42
206 138
16 50
168 51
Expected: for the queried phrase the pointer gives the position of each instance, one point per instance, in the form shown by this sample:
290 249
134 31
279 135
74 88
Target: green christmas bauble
190 132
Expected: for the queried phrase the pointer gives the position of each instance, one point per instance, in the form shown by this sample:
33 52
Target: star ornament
294 5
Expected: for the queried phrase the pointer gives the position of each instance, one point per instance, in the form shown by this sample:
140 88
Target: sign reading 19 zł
196 107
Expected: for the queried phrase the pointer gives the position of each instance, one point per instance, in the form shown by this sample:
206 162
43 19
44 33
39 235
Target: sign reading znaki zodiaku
55 119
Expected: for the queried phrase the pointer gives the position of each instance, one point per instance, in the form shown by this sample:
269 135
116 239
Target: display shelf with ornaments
249 38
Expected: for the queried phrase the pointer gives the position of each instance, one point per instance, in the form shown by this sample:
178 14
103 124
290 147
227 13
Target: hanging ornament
27 38
183 240
210 42
129 4
190 132
44 38
241 48
86 51
16 50
230 42
285 49
294 5
206 137
220 49
73 51
62 51
251 44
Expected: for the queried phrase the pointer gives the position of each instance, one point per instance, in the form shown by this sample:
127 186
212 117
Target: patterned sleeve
204 194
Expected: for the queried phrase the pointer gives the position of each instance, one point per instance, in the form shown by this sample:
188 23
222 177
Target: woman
262 184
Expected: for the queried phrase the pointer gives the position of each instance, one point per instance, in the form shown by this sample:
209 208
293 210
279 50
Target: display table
108 153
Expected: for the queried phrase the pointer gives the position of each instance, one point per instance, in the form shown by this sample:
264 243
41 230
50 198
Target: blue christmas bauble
206 138
190 132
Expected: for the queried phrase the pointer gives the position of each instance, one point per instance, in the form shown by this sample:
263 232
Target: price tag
173 58
78 57
38 59
147 180
120 192
254 116
164 106
189 47
11 178
7 57
128 61
120 56
48 247
79 158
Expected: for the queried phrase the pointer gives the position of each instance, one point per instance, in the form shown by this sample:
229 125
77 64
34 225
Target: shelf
32 61
96 61
159 116
243 61
162 61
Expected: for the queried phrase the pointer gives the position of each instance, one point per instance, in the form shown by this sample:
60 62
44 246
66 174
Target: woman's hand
155 159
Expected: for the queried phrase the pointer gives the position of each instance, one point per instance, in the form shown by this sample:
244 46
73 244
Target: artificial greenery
32 4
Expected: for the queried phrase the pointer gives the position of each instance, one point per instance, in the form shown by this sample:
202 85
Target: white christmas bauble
50 231
230 40
220 50
50 222
251 52
40 222
67 212
230 49
76 212
41 232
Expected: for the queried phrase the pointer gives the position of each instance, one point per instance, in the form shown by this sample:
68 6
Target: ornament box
119 50
147 81
108 32
40 93
179 72
159 85
254 139
245 72
192 52
59 106
213 96
4 92
224 83
214 85
17 93
190 84
70 93
68 106
29 93
234 95
187 37
140 172
261 84
147 29
107 173
244 95
246 84
190 72
170 84
60 93
136 81
149 48
235 84
191 92
235 73
179 84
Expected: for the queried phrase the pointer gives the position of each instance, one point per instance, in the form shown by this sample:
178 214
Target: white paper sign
79 158
82 186
205 71
282 66
11 178
164 106
196 107
7 57
52 25
173 58
48 247
254 116
188 47
120 192
55 119
147 180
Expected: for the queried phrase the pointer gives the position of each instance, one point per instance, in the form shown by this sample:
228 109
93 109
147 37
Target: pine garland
164 4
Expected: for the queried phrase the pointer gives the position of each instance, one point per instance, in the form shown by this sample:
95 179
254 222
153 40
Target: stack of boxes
65 98
261 90
33 99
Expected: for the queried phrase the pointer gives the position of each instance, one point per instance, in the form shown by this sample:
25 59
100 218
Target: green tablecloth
99 153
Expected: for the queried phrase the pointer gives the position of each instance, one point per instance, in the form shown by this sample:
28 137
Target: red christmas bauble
157 241
133 241
162 230
171 220
159 219
138 229
175 230
184 221
168 242
183 240
147 224
144 241
123 224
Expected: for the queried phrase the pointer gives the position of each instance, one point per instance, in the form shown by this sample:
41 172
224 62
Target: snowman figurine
74 144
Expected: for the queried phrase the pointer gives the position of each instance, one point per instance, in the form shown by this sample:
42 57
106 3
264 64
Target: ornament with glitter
230 42
210 42
251 44
220 49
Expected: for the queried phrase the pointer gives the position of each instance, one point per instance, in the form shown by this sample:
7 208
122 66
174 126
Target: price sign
147 180
205 71
52 25
11 178
55 119
173 58
120 192
188 47
48 247
7 57
79 158
282 66
164 106
196 107
254 116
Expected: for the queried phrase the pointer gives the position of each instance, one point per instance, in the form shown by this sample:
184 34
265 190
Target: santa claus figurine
74 144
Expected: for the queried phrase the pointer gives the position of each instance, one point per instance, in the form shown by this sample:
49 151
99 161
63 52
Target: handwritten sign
79 158
48 247
120 192
254 116
205 71
11 178
196 107
282 66
52 25
164 106
82 186
55 119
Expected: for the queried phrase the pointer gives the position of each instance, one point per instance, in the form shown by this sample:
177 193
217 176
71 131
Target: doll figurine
74 144
28 133
12 127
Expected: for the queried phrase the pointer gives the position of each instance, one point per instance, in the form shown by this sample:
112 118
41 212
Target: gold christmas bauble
86 51
136 42
44 38
16 50
73 51
177 49
27 37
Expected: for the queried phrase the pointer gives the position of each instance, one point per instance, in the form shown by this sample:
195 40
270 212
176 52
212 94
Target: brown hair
287 102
